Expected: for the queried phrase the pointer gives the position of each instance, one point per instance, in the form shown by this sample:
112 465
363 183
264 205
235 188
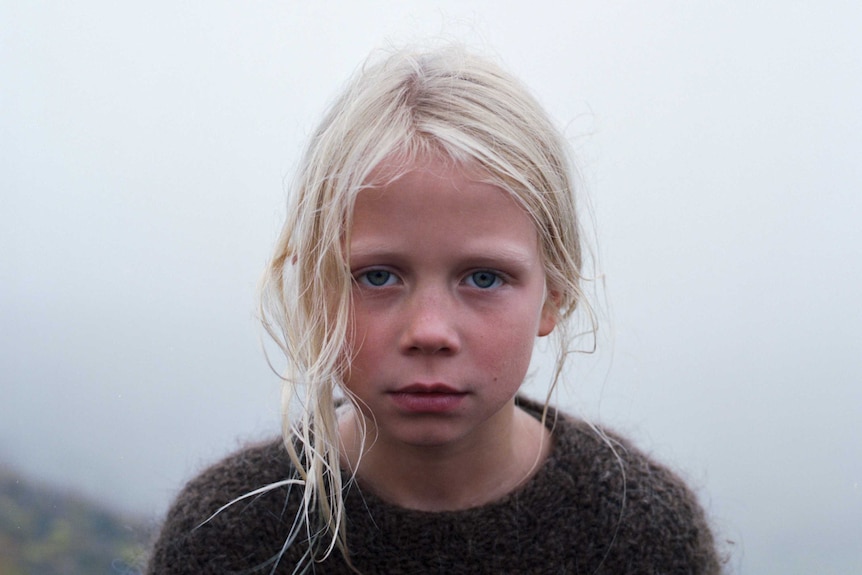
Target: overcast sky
143 158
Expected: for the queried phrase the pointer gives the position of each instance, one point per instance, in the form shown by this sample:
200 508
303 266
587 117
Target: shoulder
228 514
642 516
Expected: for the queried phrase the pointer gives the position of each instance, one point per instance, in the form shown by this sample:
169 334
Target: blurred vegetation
45 531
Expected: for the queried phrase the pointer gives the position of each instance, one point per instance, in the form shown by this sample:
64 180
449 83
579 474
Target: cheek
509 347
355 347
365 337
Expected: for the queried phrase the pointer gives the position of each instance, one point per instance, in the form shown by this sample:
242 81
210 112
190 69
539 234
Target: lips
428 398
428 388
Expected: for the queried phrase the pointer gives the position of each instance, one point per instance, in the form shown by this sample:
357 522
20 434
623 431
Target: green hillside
44 531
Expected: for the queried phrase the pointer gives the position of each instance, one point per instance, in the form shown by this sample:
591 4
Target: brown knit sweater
578 514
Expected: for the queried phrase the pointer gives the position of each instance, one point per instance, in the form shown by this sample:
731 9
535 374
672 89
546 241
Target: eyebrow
479 255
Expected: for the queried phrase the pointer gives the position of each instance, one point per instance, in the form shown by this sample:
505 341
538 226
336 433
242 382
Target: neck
460 475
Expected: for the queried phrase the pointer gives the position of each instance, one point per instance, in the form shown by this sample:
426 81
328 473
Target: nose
431 324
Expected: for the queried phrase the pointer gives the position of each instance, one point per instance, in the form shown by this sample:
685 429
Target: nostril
431 349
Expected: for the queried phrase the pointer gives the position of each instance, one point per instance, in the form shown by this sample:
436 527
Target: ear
550 313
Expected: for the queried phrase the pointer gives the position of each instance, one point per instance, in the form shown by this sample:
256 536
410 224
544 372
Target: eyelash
469 279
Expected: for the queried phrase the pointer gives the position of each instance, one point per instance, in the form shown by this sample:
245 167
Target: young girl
432 237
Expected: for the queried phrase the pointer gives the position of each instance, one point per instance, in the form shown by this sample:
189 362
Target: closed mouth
430 389
428 399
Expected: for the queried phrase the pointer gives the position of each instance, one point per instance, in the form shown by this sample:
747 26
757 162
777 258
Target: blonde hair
408 105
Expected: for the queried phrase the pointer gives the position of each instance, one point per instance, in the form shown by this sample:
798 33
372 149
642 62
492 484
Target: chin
430 438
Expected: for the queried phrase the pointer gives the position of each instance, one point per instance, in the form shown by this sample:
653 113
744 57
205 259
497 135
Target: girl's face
448 298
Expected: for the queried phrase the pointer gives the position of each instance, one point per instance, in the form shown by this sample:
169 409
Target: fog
144 155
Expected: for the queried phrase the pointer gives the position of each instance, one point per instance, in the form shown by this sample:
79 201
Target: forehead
438 201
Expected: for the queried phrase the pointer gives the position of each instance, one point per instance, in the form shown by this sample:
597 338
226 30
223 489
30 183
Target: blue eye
376 278
484 279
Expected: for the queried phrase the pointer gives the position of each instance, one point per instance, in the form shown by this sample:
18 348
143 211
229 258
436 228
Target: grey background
143 155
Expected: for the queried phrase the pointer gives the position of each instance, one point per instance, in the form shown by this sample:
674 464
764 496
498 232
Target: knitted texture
584 512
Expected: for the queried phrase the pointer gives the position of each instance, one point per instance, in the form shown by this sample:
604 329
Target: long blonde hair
406 105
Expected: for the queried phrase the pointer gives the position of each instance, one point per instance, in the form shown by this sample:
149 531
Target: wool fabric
589 509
